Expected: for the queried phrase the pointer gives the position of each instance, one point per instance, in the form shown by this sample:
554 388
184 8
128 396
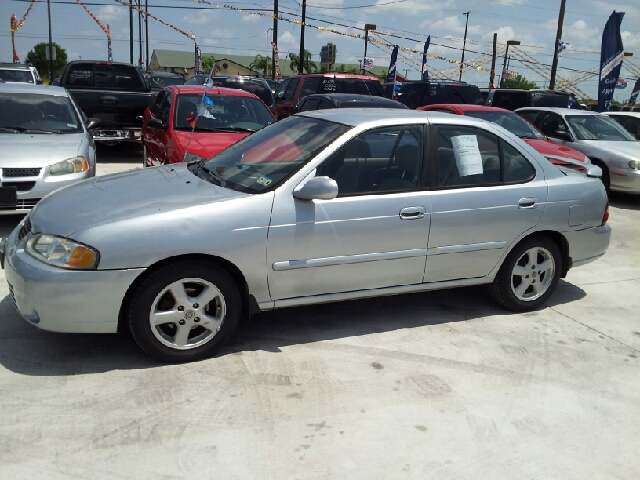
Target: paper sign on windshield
467 153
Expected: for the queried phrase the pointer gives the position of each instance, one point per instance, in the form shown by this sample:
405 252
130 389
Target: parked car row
323 206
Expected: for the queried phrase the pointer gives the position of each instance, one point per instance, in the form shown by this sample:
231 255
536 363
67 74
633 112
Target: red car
185 123
519 127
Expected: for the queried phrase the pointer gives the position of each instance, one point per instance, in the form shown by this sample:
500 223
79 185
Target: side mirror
92 123
562 135
156 123
38 82
317 188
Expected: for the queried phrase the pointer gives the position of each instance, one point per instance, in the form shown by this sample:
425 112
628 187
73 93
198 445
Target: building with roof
180 61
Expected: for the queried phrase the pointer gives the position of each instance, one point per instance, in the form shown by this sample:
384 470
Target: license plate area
8 198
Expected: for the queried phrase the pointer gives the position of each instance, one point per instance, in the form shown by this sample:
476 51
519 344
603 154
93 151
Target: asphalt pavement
436 385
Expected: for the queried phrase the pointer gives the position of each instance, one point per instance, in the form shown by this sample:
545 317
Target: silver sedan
320 207
603 140
46 144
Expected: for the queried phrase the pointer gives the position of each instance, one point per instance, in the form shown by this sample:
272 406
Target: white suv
18 73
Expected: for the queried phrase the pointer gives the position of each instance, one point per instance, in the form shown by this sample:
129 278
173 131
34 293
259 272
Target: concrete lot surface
438 385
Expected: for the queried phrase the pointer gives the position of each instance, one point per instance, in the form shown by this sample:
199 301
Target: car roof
15 66
357 116
558 110
215 90
351 97
623 114
536 90
335 75
163 74
465 107
29 88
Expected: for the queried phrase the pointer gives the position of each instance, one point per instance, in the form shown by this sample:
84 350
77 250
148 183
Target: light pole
464 44
50 46
367 27
504 65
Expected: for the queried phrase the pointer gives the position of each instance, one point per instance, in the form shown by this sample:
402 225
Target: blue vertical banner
425 72
391 76
610 61
634 94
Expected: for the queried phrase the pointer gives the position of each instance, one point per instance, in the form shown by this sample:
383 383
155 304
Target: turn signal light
81 258
605 217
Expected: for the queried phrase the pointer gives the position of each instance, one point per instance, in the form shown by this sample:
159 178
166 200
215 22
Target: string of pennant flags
167 24
106 30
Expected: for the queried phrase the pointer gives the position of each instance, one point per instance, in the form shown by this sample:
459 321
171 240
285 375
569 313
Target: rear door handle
109 100
527 203
412 213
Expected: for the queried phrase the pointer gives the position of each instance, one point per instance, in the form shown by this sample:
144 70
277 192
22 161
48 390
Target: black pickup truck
116 93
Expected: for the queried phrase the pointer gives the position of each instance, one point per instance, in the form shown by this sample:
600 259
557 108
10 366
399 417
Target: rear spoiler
592 170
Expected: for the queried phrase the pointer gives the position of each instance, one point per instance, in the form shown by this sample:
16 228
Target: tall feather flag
610 61
425 72
391 76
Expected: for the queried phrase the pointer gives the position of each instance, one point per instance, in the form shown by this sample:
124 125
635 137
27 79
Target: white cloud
450 25
250 18
287 42
110 13
201 18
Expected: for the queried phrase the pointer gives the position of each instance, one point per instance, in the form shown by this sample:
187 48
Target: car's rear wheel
529 274
184 311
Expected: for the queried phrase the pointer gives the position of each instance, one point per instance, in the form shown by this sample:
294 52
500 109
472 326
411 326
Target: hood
124 196
207 145
547 147
23 150
629 150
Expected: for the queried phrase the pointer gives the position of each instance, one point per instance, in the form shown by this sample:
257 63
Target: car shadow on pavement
269 331
28 351
123 152
626 201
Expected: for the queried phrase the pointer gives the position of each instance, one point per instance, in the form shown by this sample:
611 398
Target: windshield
38 113
20 76
598 127
260 90
218 112
161 82
264 160
509 121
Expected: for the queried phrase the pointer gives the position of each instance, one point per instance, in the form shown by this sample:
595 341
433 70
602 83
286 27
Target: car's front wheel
184 311
529 274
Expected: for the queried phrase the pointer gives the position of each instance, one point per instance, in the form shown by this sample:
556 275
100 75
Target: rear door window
310 86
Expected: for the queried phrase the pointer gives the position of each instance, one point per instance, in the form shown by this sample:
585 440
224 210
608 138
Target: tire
517 289
171 313
606 176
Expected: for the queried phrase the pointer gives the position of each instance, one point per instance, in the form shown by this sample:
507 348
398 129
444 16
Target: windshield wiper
28 130
8 130
227 129
203 172
529 137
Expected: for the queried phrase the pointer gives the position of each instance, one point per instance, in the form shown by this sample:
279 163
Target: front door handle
527 203
412 213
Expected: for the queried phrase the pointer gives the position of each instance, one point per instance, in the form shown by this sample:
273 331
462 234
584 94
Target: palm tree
260 63
309 66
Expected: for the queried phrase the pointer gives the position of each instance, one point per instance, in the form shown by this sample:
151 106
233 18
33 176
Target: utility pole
464 44
275 36
50 46
554 65
139 33
493 61
130 31
146 29
304 13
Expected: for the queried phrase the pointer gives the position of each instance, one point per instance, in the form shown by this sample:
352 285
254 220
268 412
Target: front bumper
625 180
60 300
42 186
117 135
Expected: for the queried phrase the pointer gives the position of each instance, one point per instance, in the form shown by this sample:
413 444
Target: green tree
517 81
37 58
261 63
309 66
383 77
207 63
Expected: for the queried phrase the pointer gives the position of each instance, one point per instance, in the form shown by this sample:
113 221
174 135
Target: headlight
192 157
62 252
70 165
635 164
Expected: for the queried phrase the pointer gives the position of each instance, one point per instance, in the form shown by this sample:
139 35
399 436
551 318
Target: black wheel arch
249 303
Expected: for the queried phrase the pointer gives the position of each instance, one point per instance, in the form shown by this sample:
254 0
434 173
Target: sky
406 23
